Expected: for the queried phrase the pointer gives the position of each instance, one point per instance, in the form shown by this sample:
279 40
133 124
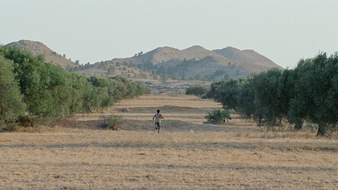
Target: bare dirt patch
187 154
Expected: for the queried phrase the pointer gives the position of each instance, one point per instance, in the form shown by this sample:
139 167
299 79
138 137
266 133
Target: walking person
157 118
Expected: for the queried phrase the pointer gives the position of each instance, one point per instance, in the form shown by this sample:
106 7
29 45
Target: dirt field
186 154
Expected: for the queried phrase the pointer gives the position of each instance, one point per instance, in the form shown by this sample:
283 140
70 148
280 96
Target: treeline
306 94
180 71
30 86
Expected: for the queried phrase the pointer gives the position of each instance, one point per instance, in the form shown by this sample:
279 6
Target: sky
285 31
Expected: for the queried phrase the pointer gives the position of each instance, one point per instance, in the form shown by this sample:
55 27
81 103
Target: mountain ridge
192 63
198 52
249 59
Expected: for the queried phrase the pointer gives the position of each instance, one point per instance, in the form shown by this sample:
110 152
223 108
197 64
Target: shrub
218 116
27 121
113 122
2 125
9 127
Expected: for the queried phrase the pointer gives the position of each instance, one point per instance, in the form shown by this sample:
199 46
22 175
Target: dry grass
187 154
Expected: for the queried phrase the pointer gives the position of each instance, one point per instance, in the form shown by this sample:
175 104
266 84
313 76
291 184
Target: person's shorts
158 124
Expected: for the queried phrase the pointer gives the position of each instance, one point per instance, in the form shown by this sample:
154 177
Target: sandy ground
186 154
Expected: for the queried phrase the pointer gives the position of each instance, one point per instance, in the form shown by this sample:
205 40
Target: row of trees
29 85
180 71
308 93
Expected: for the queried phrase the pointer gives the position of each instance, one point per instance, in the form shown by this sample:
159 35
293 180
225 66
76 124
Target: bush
218 116
2 125
8 127
27 121
113 122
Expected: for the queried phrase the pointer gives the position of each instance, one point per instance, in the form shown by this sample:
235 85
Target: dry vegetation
187 154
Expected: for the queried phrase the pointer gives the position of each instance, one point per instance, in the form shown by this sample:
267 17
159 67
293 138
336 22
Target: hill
38 48
198 63
249 58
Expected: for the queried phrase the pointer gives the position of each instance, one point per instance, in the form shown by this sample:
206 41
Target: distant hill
168 54
38 48
197 62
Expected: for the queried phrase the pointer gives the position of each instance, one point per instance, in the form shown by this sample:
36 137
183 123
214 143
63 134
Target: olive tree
11 104
197 90
317 92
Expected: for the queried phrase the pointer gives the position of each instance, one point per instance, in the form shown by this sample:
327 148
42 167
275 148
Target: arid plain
186 154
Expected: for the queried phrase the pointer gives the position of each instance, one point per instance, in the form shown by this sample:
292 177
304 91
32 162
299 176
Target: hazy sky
95 30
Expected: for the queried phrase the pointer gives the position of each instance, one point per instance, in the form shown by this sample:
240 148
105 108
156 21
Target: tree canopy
11 103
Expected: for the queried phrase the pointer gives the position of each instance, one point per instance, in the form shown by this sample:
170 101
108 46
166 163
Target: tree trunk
299 125
321 130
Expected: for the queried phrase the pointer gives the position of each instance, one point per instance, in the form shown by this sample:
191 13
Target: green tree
317 92
268 97
46 88
79 87
196 90
297 106
227 93
61 89
28 70
11 104
246 99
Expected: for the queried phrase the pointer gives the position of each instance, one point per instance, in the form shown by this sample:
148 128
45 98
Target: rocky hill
38 48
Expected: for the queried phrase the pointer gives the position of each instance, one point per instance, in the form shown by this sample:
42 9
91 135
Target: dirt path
187 154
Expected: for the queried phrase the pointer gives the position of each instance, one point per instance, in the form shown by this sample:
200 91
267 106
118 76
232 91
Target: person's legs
159 127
